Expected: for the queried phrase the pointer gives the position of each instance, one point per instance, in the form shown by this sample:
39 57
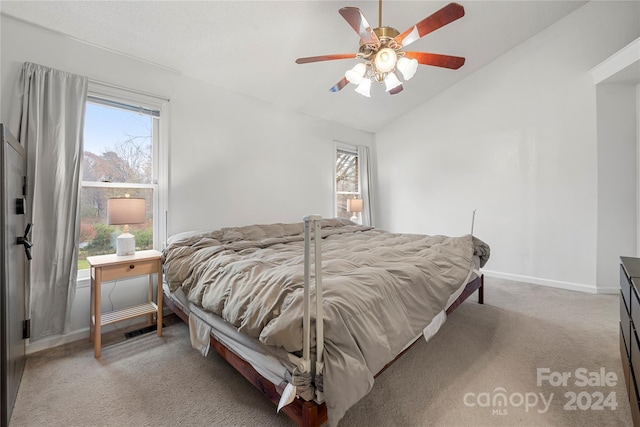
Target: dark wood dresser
630 330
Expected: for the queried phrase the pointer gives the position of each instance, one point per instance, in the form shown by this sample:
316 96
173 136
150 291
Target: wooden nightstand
105 268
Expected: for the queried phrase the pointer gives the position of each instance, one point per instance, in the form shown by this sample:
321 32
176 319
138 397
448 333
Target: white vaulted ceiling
249 47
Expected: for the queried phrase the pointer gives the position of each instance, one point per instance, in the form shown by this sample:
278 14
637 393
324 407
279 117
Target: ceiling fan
382 50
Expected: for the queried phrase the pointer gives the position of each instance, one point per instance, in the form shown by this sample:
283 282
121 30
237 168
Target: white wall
233 160
518 141
22 42
617 180
236 160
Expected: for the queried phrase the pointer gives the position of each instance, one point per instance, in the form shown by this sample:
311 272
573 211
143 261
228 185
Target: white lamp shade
356 74
364 88
126 210
391 81
354 205
407 67
385 60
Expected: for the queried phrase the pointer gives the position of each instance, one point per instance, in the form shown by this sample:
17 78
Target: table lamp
355 206
124 211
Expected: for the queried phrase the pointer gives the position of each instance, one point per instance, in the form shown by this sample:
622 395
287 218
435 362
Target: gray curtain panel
47 115
365 184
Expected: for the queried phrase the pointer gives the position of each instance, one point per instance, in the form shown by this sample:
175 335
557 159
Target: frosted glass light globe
364 88
356 74
385 60
407 67
391 82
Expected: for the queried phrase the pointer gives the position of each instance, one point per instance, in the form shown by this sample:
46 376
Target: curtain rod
138 92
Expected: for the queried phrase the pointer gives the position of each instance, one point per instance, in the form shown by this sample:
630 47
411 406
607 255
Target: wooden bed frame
305 413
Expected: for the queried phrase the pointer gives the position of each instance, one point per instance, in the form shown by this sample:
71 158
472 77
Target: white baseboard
553 283
56 340
77 335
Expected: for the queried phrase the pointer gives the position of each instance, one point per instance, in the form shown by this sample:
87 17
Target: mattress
380 290
272 364
267 361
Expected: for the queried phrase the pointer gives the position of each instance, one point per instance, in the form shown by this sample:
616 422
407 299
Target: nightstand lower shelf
128 313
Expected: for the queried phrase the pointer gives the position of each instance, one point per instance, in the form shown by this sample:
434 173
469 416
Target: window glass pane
347 182
117 145
99 238
118 148
346 172
341 203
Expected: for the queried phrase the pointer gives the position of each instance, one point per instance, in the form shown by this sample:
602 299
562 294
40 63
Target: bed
247 292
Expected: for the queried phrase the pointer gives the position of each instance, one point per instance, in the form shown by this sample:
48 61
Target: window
347 179
121 156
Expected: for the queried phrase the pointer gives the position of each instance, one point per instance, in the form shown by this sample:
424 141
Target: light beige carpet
481 352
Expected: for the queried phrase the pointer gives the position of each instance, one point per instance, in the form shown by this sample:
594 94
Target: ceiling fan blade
356 19
338 86
437 60
325 58
439 19
396 90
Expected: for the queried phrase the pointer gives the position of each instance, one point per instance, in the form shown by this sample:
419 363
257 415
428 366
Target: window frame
146 103
351 149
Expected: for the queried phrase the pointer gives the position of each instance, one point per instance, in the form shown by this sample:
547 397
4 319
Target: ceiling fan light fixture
356 74
381 49
385 60
364 88
407 67
391 82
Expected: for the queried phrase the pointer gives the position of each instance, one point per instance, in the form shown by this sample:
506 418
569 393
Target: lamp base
125 244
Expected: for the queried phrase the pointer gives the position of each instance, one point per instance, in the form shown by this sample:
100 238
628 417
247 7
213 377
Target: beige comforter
380 290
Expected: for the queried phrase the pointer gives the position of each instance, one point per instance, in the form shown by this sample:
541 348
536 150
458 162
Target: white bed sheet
263 359
272 365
